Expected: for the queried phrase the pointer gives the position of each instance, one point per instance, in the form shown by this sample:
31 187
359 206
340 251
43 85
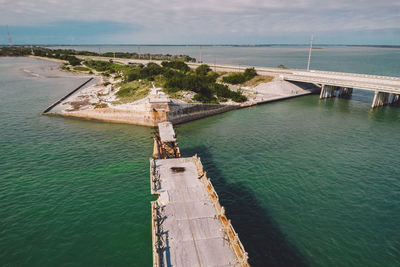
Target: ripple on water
305 182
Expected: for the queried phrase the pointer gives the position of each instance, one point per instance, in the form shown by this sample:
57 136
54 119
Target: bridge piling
345 92
395 101
327 91
380 99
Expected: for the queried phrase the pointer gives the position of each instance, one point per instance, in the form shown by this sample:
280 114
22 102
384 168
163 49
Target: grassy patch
257 80
133 91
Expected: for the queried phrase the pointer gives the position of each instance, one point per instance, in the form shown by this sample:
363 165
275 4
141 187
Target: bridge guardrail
350 84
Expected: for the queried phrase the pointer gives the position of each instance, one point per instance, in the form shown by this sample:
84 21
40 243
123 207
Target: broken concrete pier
189 225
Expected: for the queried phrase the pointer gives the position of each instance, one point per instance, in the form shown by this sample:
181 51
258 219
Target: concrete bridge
387 89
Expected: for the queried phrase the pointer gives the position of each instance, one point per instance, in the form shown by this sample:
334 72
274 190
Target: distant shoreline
211 45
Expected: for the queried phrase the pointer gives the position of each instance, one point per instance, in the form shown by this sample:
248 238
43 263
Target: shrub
234 78
80 68
150 70
203 69
249 73
176 64
73 60
238 78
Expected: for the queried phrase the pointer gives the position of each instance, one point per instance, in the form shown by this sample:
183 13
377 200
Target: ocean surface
306 182
367 60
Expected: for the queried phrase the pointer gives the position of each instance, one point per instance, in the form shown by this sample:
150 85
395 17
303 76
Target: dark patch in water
259 233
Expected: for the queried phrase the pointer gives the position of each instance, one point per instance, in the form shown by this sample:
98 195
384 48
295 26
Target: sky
358 22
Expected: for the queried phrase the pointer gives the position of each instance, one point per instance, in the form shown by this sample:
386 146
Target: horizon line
248 45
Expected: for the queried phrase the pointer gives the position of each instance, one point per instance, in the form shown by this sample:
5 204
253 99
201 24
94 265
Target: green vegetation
202 81
257 80
80 68
175 76
281 66
72 60
104 66
178 65
203 69
64 53
239 78
134 90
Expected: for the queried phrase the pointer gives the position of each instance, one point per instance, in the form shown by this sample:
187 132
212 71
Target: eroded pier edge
201 235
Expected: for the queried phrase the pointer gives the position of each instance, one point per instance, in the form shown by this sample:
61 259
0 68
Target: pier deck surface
167 133
191 229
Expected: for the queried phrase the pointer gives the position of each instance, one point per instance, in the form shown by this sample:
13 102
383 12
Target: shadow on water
260 235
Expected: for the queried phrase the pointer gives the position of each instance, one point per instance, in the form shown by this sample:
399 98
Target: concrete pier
345 92
327 91
382 99
165 144
189 225
395 101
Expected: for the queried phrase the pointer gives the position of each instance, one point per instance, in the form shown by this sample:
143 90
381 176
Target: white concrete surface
167 133
192 232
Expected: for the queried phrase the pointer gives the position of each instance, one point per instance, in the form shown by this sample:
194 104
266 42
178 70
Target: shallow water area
72 192
305 181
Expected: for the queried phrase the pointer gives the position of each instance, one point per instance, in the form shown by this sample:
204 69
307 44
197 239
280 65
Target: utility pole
9 37
201 59
309 52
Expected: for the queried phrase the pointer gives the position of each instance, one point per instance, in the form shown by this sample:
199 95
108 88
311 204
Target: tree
73 60
250 73
176 64
203 69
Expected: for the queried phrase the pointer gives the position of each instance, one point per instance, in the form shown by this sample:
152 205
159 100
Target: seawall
151 116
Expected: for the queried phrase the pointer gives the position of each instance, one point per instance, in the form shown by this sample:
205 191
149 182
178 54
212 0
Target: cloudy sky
200 22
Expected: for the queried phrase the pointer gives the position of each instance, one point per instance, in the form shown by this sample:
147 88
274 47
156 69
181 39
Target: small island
152 88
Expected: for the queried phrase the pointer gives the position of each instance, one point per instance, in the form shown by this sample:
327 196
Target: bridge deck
357 81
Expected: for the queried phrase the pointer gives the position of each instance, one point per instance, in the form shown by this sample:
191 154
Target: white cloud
162 20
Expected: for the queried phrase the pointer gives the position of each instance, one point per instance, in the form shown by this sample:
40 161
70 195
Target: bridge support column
345 92
395 100
380 99
327 91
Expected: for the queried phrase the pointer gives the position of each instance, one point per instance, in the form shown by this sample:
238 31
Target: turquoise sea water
367 60
305 182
